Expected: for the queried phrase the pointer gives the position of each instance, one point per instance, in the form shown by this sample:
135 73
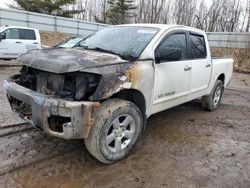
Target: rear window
27 34
198 46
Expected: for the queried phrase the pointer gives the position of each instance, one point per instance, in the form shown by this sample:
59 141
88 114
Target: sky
4 2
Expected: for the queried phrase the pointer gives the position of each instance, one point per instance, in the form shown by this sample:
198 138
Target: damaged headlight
80 86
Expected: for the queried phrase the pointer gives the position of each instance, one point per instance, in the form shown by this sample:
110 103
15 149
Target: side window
12 33
198 46
177 40
27 34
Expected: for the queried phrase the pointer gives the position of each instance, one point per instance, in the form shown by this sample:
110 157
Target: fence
229 40
66 25
47 22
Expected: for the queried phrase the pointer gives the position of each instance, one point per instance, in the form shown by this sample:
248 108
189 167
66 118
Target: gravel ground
181 147
9 64
7 117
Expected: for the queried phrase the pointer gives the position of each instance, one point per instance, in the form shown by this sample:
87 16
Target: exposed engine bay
76 86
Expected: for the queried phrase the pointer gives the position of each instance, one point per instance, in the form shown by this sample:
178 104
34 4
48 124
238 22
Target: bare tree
220 15
248 13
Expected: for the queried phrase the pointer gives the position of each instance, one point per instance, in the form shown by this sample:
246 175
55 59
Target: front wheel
117 126
212 101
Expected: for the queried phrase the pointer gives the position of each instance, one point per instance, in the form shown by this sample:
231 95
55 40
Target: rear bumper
43 107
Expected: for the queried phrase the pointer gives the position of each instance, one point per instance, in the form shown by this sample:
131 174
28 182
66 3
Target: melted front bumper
42 107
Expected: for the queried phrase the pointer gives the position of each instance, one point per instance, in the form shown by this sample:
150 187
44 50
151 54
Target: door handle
18 42
187 68
208 65
35 42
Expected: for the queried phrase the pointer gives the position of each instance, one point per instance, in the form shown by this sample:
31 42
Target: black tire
212 101
117 126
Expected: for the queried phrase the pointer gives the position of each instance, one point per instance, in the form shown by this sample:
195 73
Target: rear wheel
212 101
117 126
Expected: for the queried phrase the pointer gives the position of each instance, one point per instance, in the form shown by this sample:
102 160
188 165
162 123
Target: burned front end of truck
59 97
56 103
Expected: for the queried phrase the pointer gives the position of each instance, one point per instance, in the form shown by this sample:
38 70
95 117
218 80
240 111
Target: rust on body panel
81 115
115 78
133 74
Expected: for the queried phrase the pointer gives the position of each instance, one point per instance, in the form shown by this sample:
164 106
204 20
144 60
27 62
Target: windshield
126 41
69 43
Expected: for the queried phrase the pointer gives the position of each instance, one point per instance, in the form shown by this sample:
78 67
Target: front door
172 77
12 46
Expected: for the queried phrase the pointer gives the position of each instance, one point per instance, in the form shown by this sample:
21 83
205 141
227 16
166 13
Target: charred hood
68 60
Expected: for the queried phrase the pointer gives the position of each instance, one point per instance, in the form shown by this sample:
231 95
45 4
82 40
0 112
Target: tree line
218 15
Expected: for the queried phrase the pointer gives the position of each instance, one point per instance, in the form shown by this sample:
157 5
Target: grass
241 57
50 38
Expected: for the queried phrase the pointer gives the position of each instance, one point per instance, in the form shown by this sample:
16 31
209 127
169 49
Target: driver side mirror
2 36
167 54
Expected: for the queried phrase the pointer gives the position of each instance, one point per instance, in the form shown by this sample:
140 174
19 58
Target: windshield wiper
103 50
123 56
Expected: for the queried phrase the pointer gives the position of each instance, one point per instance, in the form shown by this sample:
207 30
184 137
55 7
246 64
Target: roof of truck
163 26
21 27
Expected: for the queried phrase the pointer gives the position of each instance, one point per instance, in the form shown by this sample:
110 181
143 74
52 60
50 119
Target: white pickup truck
104 90
16 40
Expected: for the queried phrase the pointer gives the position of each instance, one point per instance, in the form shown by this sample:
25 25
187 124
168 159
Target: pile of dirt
241 57
49 38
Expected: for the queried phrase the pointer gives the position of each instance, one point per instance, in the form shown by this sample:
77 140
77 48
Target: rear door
172 78
29 39
201 64
12 46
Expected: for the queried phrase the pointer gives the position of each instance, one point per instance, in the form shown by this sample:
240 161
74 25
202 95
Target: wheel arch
222 78
136 97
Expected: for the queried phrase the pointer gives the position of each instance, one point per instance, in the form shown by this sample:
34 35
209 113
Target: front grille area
71 86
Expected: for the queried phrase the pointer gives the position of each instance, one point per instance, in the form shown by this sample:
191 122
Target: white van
15 40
